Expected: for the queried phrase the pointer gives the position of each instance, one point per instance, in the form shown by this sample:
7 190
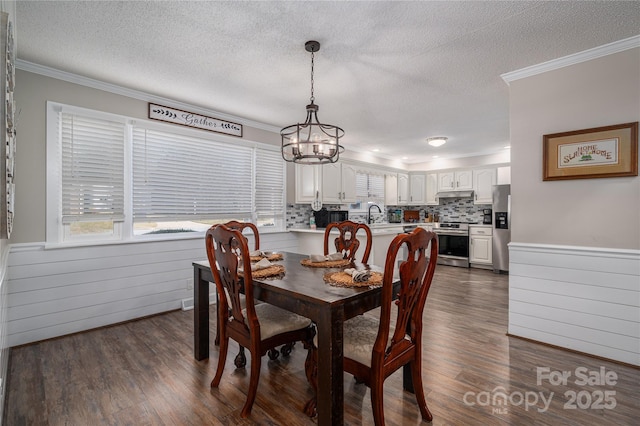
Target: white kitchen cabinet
403 189
480 245
431 186
459 180
338 183
391 189
417 188
308 183
483 181
504 175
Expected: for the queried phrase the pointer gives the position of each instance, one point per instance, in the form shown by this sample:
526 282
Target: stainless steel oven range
453 243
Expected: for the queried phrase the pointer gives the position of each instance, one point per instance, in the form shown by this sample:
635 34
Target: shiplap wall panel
36 295
78 302
570 303
30 254
593 348
72 277
47 269
612 280
585 299
603 292
623 262
582 319
576 331
52 292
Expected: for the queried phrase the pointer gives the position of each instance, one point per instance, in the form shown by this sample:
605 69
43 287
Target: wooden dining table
302 290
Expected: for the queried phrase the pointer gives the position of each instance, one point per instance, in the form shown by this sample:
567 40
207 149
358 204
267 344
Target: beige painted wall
583 212
31 95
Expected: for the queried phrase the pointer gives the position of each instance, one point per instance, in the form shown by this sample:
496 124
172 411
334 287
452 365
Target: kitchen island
311 241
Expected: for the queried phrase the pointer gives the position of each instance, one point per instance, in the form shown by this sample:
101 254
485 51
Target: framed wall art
190 119
600 152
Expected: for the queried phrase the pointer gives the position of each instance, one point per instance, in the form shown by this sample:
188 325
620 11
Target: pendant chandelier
311 142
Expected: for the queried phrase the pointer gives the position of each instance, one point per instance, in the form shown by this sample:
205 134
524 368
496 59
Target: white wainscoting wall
581 298
53 292
4 345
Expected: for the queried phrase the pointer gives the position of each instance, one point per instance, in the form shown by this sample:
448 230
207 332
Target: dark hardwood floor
143 373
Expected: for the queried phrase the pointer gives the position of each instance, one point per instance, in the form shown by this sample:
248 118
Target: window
369 190
91 187
112 178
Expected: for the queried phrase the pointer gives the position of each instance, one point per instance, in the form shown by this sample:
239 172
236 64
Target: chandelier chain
312 97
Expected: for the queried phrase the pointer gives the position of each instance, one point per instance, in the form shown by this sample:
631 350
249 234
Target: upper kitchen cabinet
459 180
338 183
391 189
308 183
504 175
431 186
403 189
417 188
483 181
396 189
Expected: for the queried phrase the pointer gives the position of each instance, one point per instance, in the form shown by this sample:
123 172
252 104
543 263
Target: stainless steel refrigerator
501 227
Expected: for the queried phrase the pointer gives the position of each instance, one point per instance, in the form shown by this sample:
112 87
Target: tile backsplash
449 210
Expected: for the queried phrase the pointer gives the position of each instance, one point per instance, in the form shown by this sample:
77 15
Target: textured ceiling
389 73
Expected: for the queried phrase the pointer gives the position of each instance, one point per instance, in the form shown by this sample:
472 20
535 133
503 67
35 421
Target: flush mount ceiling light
311 142
437 141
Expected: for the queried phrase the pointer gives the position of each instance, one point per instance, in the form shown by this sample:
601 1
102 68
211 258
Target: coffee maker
486 218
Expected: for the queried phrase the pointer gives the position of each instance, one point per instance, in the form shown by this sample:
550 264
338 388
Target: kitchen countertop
376 228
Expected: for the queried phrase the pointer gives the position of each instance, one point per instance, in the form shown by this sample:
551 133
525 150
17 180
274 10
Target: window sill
140 239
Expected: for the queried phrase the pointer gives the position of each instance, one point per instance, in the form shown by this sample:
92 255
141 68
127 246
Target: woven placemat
328 264
271 257
342 279
272 271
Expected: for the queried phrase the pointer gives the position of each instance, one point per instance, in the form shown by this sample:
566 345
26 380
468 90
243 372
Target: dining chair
347 241
258 327
375 347
241 360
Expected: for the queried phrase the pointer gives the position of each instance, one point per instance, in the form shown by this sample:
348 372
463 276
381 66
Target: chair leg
311 370
240 360
253 385
222 358
217 339
377 400
418 390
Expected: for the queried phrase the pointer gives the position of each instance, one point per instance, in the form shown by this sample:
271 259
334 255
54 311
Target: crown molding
587 55
136 94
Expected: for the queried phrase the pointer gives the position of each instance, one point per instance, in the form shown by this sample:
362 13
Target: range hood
455 194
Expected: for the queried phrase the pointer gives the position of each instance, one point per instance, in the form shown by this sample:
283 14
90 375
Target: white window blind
270 184
362 186
177 177
92 169
369 186
376 187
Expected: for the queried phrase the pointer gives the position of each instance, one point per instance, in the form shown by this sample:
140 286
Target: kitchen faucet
369 212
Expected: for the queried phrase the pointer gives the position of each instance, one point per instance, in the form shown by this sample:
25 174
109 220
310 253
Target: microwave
324 217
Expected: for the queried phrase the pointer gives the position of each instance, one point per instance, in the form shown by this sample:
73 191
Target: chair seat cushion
274 320
359 336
